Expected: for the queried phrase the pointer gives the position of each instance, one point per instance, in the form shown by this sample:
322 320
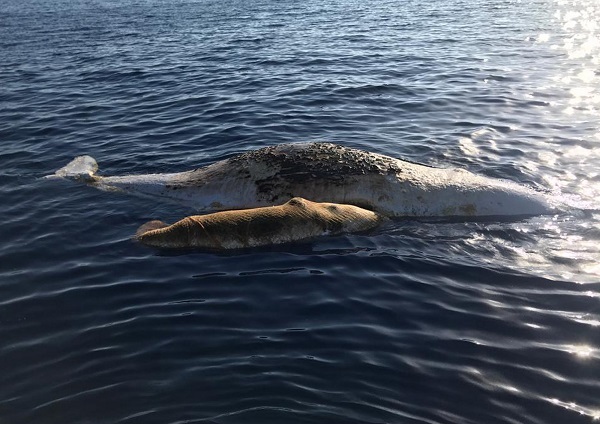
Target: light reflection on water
567 247
563 247
511 307
577 37
572 406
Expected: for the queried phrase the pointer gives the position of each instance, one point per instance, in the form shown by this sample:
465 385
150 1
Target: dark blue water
417 322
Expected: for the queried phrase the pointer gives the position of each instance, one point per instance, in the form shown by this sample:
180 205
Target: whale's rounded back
325 172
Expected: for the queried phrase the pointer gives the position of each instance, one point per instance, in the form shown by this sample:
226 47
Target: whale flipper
82 168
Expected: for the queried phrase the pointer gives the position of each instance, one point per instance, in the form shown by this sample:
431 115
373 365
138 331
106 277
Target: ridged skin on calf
298 219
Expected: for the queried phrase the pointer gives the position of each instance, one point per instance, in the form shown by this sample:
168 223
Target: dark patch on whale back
325 161
286 170
294 165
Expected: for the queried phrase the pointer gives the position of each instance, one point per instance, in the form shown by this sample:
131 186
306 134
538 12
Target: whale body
296 220
325 172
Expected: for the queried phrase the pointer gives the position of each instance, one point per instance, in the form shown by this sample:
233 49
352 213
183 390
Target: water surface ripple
420 321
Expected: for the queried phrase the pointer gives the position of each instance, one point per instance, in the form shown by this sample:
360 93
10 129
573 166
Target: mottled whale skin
325 172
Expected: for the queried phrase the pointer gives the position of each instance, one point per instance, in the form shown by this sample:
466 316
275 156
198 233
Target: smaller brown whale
298 219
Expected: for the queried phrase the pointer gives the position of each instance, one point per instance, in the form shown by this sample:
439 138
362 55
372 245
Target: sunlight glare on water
569 166
577 34
439 321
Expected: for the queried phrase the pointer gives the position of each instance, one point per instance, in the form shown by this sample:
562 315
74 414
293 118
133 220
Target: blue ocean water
418 322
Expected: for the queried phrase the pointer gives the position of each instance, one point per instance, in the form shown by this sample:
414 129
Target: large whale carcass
325 172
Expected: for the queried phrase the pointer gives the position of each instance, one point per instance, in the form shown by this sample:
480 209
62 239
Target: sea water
421 321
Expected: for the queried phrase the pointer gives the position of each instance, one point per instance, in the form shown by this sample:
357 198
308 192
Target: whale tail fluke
149 226
82 168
